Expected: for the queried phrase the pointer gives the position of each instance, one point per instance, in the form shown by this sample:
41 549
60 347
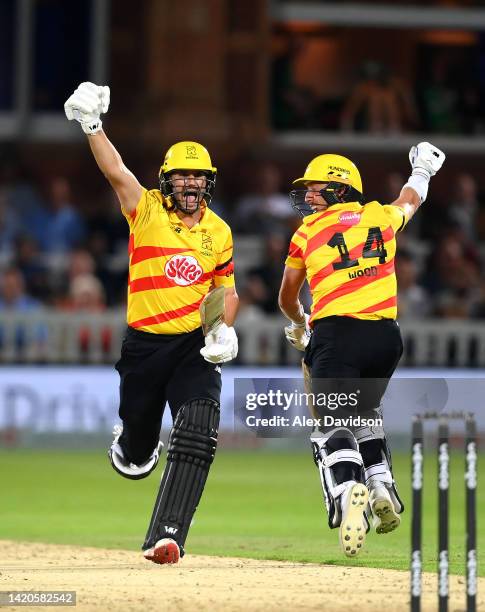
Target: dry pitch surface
123 581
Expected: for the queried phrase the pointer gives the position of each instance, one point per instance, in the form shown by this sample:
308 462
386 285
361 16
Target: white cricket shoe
353 524
384 516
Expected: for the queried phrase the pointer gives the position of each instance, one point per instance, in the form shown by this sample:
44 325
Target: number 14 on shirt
374 237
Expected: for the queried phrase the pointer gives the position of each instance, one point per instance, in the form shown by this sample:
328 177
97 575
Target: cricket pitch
122 580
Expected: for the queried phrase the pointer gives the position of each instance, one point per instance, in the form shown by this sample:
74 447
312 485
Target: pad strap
328 460
345 454
378 473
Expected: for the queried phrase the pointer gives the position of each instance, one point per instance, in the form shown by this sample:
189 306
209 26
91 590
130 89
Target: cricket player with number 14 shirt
178 251
345 249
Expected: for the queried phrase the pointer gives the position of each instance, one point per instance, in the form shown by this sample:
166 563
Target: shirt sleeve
141 215
397 217
296 251
224 270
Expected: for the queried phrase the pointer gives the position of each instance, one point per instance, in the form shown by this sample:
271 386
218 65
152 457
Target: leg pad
191 449
338 460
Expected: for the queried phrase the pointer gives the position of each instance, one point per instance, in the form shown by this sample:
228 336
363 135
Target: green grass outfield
264 505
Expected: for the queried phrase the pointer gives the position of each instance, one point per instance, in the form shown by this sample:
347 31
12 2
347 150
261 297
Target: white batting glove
298 334
86 105
220 345
426 159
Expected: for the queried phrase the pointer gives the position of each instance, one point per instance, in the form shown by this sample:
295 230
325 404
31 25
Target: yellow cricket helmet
332 168
342 183
187 155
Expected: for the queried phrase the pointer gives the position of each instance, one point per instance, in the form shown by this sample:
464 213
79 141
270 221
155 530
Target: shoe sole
165 552
352 528
383 509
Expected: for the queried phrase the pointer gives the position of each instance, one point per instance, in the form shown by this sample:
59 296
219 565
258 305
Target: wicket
443 420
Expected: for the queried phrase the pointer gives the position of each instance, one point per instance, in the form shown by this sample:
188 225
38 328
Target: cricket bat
307 380
212 310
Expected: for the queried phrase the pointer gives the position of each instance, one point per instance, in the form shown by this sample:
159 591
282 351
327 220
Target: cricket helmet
187 155
341 175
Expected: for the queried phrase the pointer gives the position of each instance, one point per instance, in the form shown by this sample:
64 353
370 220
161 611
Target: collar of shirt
174 219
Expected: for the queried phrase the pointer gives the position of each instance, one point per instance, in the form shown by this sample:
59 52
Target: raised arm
109 161
408 200
85 106
426 160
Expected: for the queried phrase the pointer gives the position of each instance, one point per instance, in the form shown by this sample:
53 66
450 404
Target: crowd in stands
56 253
445 96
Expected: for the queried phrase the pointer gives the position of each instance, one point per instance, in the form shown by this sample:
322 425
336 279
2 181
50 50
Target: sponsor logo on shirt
349 218
183 270
206 241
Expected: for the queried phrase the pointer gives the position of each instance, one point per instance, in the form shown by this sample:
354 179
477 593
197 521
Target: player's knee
340 439
194 434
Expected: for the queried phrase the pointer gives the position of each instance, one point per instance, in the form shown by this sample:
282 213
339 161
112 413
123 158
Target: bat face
212 310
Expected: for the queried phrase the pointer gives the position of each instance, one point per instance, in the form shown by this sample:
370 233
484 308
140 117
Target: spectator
13 296
107 242
478 309
106 228
30 263
80 262
451 261
266 209
464 208
66 229
23 198
472 120
262 282
413 301
440 100
293 106
379 102
10 226
453 276
259 293
86 295
14 299
460 299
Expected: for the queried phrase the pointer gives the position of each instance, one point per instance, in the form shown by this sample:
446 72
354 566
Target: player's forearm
409 201
288 299
107 157
231 300
292 309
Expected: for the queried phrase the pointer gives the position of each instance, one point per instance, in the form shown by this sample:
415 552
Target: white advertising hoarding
85 398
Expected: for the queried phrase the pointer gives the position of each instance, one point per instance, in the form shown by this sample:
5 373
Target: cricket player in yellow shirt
178 250
345 249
